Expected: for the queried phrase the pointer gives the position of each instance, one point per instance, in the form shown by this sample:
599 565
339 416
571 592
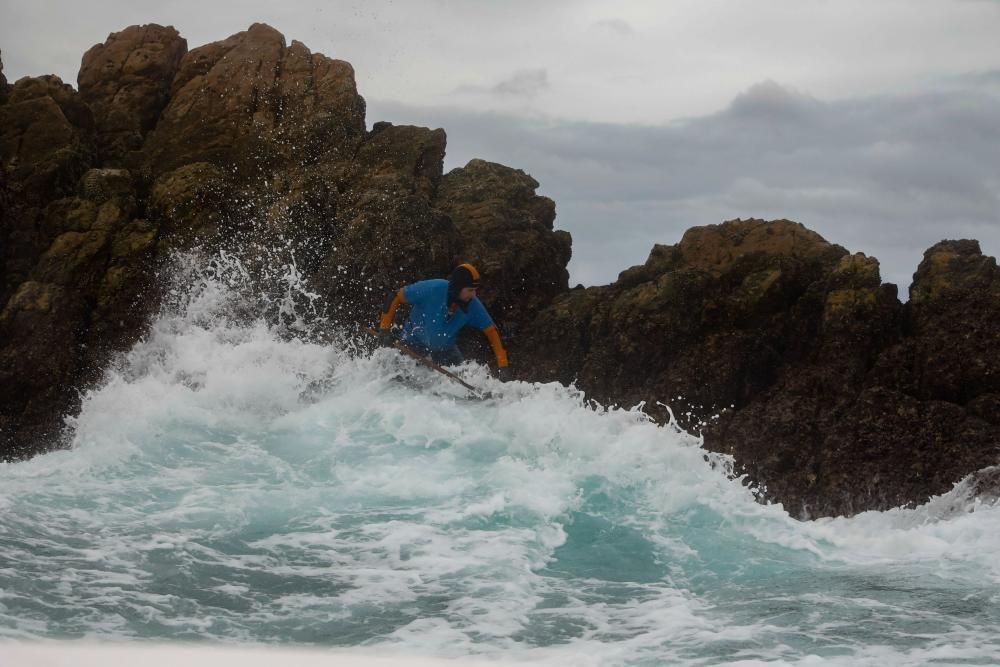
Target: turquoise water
231 482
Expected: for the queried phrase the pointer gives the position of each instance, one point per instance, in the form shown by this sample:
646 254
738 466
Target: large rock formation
242 143
784 350
790 354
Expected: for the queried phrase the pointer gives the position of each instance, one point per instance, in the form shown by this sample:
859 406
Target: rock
46 138
507 233
387 245
73 107
104 185
126 81
250 104
10 222
38 365
54 335
189 205
709 319
791 355
126 296
386 232
396 160
954 311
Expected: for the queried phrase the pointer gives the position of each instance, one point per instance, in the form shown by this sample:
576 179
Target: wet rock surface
126 81
790 354
784 350
508 234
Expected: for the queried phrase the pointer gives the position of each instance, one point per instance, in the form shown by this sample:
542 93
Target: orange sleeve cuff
494 337
386 321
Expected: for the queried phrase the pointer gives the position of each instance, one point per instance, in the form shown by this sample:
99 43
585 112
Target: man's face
465 296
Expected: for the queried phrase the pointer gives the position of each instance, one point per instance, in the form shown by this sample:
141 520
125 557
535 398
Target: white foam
236 480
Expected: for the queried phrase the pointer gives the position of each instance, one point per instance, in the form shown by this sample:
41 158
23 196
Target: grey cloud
523 83
618 26
988 77
770 100
888 176
988 80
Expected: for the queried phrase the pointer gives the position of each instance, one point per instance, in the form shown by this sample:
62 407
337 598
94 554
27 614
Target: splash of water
238 477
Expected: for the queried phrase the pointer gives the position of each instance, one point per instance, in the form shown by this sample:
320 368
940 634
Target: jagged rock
386 232
46 138
396 160
383 248
38 356
709 319
73 107
189 204
126 81
250 104
954 313
507 233
791 355
57 329
103 185
10 219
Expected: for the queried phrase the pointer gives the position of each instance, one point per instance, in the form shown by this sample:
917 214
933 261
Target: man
439 310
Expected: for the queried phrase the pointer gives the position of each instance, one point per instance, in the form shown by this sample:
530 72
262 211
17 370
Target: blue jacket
431 324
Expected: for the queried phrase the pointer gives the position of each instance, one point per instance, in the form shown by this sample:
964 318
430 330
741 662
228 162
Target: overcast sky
875 123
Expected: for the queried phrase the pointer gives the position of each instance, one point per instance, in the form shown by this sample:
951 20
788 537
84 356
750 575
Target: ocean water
234 480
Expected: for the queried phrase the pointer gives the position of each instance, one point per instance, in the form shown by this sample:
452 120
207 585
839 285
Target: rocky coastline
833 395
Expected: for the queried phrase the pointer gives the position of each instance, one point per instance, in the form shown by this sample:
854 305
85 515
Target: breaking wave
238 477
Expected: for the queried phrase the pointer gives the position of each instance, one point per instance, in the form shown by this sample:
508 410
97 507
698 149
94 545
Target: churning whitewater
235 478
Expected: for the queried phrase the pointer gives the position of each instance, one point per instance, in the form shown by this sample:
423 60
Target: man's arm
385 322
494 337
482 320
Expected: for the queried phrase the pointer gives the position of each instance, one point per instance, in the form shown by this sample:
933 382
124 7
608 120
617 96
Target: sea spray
243 476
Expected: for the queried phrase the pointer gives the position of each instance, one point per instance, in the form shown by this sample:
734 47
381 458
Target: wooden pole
430 364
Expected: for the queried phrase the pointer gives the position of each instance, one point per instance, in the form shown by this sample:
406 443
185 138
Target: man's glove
386 338
505 374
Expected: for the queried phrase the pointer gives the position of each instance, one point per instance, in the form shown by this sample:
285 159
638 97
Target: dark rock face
387 231
509 236
254 105
786 351
707 319
126 82
59 323
46 138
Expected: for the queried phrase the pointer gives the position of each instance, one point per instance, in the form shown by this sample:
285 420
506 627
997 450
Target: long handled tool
430 364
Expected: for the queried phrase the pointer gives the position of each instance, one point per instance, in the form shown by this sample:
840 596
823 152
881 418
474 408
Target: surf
247 473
